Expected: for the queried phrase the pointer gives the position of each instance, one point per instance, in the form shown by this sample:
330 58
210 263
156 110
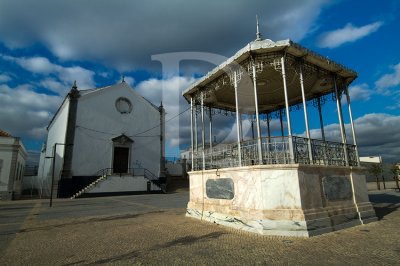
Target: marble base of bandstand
287 200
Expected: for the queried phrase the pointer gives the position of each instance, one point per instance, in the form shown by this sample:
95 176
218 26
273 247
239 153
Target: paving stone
153 230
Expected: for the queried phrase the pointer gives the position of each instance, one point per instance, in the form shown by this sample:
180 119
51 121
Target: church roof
4 134
320 75
265 47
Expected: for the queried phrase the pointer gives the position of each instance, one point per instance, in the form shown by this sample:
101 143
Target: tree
376 170
395 171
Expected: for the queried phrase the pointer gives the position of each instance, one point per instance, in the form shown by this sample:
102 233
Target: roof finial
74 93
123 79
258 34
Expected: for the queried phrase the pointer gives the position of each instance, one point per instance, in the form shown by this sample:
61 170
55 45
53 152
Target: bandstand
278 185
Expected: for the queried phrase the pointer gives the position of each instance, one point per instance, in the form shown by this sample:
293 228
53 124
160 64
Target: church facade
110 132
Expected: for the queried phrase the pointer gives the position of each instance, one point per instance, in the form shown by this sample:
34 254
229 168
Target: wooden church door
121 159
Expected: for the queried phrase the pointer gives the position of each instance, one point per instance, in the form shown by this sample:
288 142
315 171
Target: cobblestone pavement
152 230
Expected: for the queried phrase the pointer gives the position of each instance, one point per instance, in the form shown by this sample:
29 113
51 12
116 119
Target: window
123 105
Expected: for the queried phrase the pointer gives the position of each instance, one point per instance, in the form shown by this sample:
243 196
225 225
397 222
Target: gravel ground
152 230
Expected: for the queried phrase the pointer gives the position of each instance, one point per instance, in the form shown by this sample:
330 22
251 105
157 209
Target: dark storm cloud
124 33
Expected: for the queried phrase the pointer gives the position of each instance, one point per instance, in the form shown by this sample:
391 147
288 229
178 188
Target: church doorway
121 160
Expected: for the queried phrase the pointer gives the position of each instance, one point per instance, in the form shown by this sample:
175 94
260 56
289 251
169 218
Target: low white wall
174 169
123 184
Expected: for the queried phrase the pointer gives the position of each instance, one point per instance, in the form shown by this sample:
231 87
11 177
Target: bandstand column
237 118
211 142
268 129
281 121
346 91
287 110
195 129
268 140
202 130
196 137
321 121
241 126
191 130
257 116
252 127
305 114
341 124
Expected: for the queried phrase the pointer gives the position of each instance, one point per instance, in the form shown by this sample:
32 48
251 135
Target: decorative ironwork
260 65
328 153
296 107
322 100
239 72
352 155
333 96
276 114
275 150
300 148
330 62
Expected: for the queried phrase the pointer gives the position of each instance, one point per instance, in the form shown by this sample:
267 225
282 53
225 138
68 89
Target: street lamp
54 164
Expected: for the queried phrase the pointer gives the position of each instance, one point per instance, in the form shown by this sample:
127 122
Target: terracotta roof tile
4 134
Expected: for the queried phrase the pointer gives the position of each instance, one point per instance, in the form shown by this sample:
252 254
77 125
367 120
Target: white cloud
124 34
377 135
129 80
388 85
4 78
360 92
54 85
83 77
388 81
19 103
66 75
36 64
104 74
169 91
347 34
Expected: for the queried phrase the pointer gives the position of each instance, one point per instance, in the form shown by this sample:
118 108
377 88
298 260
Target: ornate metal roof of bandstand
318 72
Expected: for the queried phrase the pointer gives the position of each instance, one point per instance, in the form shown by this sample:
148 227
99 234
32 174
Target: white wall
19 172
174 169
56 134
98 122
6 152
123 184
371 159
12 157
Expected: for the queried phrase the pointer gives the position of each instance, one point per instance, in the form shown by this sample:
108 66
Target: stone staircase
135 180
88 187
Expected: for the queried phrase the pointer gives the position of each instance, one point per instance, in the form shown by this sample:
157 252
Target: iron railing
129 172
276 150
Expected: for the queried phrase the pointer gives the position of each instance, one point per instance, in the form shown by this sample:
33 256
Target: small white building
12 165
110 134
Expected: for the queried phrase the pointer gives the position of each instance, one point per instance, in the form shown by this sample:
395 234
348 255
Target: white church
103 141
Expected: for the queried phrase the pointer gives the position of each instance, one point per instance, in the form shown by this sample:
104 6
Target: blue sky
46 45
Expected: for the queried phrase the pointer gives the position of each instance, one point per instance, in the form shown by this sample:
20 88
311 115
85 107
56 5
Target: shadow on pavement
175 185
385 203
187 240
91 220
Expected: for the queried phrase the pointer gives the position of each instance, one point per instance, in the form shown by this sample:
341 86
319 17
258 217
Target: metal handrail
130 171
